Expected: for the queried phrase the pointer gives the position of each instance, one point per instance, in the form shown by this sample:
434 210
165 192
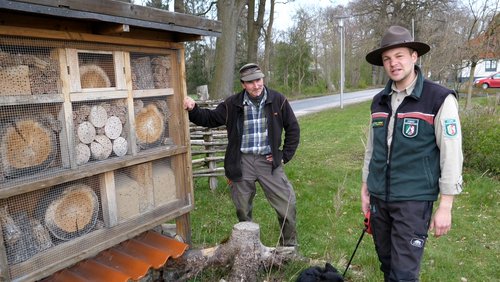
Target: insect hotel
94 140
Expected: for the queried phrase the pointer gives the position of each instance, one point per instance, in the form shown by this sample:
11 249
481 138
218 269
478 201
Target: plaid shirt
255 139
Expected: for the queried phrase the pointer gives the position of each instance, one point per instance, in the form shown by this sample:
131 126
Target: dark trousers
400 231
277 189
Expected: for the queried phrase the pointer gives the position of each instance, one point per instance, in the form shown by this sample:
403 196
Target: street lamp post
342 67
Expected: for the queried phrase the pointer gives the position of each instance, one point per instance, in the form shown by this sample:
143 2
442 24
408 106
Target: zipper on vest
388 157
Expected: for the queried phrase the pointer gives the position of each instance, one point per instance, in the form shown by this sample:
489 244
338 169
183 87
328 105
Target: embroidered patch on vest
450 127
410 127
418 243
377 123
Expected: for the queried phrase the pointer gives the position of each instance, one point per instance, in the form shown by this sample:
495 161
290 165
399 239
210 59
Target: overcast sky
284 12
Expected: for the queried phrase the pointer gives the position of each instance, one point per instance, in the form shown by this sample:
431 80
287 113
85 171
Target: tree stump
72 213
243 253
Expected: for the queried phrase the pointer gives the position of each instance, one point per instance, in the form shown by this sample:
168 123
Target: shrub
480 127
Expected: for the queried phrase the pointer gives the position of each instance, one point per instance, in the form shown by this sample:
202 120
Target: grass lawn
326 174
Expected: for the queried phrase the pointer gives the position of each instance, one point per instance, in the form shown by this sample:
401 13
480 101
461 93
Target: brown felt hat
250 72
396 36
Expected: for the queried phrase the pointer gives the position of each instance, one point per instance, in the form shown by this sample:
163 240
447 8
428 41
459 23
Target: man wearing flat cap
413 157
255 119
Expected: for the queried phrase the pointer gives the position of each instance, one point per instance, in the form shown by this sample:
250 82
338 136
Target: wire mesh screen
152 122
101 130
97 70
60 142
38 221
28 70
141 188
29 141
150 71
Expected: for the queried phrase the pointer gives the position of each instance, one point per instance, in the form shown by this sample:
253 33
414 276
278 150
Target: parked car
489 81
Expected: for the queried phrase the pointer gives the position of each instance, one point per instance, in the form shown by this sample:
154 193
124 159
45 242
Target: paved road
312 105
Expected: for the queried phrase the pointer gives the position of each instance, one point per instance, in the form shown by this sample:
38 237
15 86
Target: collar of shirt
247 101
408 90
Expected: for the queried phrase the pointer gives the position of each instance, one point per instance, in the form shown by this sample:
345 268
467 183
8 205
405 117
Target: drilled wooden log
15 81
101 148
150 126
113 127
27 145
93 76
73 212
120 146
85 132
98 116
82 152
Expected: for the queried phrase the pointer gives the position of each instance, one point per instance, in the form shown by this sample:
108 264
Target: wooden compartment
30 141
83 76
35 222
28 70
101 130
152 117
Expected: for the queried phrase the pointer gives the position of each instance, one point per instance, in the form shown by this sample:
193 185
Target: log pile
23 236
150 72
26 74
100 131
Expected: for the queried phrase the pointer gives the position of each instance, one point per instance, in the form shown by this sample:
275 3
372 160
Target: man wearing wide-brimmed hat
255 119
413 157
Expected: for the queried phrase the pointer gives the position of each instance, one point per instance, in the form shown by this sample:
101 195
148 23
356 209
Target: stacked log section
142 74
150 72
100 131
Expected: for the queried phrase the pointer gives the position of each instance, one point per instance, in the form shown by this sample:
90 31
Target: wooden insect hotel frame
94 140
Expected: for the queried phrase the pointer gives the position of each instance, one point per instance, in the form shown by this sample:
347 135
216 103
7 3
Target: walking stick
368 229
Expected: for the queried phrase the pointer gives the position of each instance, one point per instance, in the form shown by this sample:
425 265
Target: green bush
481 147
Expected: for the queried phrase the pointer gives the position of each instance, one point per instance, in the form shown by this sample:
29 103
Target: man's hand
189 103
365 198
441 221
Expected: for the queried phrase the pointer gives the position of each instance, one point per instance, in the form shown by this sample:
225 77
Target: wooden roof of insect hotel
107 17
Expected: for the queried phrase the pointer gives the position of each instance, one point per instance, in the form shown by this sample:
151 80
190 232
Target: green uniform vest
411 170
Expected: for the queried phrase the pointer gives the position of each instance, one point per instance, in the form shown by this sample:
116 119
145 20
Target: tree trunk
228 12
268 44
470 83
243 253
253 29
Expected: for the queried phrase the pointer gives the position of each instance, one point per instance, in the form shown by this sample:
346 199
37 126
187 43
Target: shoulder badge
450 127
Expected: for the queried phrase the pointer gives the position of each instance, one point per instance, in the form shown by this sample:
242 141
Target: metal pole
341 24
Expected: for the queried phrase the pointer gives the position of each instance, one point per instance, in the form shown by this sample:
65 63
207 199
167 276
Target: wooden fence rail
208 146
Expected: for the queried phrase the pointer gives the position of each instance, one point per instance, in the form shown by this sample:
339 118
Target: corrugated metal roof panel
129 260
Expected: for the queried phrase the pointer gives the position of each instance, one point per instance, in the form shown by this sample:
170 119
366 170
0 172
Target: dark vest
412 171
